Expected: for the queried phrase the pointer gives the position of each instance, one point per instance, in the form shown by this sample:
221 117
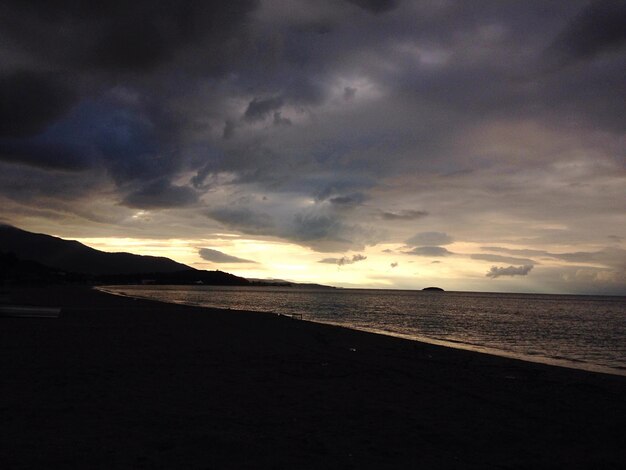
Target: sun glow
463 266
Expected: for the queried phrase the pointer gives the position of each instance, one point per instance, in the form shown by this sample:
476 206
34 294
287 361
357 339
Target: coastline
116 382
537 357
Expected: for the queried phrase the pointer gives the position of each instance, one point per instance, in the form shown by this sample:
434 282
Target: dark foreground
121 383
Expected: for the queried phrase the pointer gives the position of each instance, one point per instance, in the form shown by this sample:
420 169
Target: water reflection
580 329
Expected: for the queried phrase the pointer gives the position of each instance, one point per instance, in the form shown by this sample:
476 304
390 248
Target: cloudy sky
373 143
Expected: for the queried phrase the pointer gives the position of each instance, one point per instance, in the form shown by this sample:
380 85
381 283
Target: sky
358 143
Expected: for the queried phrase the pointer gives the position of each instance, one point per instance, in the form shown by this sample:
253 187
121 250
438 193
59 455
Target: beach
116 382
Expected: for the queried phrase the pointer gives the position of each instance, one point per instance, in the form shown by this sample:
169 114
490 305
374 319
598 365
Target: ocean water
586 332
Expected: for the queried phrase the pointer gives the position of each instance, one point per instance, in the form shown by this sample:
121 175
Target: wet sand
121 383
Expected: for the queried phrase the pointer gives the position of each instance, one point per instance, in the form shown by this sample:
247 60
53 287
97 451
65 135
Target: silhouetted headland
35 258
74 257
433 289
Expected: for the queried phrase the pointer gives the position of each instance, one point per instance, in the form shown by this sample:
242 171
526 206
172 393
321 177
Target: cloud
161 194
348 200
598 28
349 93
66 193
41 153
609 256
341 124
344 260
588 280
502 259
279 120
259 109
95 135
430 238
515 251
326 232
376 6
243 219
495 271
315 226
321 229
117 37
394 265
404 215
429 251
30 100
229 129
218 257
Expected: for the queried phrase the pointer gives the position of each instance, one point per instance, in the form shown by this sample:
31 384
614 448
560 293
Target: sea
577 331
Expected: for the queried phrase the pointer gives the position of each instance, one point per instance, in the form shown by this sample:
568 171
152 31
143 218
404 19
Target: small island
433 289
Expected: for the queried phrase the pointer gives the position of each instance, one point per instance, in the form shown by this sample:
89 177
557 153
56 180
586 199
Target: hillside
72 256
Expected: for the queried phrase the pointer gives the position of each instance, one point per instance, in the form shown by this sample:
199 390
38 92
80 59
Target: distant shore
122 383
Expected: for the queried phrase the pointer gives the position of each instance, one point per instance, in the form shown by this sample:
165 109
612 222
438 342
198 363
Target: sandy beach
122 383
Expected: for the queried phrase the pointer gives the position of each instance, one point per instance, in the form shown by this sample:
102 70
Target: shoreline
476 348
122 383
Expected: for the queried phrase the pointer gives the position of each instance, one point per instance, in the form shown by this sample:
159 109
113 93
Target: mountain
283 283
16 270
186 277
27 257
72 256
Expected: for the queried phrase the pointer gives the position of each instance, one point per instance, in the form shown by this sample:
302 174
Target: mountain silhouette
72 256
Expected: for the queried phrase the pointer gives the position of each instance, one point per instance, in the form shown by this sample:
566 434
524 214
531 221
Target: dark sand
122 383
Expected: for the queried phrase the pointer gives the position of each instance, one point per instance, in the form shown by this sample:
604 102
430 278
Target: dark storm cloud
328 231
429 251
311 226
191 35
116 35
502 259
229 129
349 93
30 100
495 271
279 120
60 60
259 109
61 190
344 260
598 28
376 6
243 219
97 134
322 231
161 194
169 55
216 256
430 238
339 189
44 154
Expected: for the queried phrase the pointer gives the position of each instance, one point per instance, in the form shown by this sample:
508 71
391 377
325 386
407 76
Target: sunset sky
472 145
